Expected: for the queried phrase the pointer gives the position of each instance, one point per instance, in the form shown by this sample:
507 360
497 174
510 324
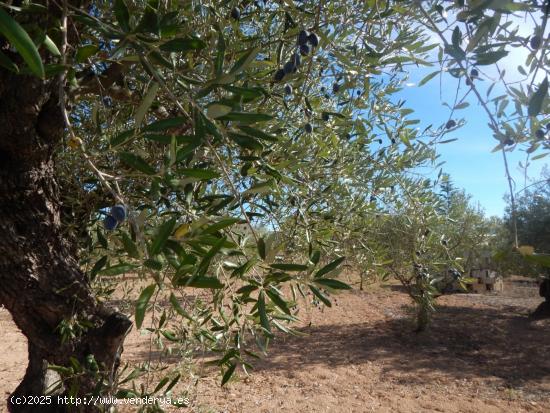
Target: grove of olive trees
234 156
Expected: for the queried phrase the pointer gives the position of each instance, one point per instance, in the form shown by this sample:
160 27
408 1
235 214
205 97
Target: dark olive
313 40
308 128
539 133
279 74
450 124
289 67
535 42
474 73
325 116
119 212
110 223
303 37
235 13
305 49
336 87
288 90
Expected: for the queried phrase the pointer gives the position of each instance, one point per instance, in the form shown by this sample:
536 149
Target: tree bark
41 283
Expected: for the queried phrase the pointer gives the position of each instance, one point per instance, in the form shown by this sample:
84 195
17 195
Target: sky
469 160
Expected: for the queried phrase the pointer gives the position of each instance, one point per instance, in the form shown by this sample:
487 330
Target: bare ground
481 355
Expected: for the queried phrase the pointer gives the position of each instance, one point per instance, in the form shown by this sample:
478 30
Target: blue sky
469 160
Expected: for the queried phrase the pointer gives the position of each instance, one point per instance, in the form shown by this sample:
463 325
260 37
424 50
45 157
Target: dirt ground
481 355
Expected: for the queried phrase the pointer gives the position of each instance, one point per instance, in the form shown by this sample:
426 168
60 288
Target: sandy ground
481 355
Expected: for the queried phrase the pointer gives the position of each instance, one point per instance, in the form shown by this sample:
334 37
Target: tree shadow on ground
463 342
483 336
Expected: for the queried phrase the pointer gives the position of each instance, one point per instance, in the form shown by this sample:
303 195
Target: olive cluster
305 44
117 216
540 134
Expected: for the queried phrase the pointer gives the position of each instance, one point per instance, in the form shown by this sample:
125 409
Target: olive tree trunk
41 284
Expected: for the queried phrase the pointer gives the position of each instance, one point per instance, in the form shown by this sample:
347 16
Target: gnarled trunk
41 283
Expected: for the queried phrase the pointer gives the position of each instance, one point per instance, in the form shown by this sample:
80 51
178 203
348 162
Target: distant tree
532 223
533 214
447 192
468 231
